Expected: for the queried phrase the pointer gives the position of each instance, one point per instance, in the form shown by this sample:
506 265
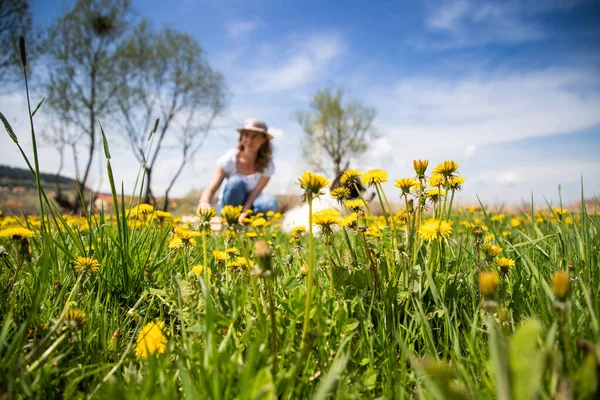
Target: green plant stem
35 155
47 353
204 256
273 328
310 273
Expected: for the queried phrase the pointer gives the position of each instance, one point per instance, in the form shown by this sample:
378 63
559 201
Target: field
432 301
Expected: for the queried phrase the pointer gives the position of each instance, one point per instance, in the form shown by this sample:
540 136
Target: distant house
103 201
19 189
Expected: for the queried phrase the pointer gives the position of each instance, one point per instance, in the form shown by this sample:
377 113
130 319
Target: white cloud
465 23
240 28
450 115
470 151
294 64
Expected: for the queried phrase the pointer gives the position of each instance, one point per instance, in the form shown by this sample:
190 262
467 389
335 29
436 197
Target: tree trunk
148 197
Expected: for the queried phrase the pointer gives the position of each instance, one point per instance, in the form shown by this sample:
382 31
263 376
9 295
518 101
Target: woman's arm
254 194
213 186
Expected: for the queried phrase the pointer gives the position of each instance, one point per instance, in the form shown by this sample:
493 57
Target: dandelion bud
478 231
76 319
303 271
488 283
561 285
410 207
263 253
420 167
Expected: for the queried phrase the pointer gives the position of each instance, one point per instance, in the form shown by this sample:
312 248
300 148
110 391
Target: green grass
390 315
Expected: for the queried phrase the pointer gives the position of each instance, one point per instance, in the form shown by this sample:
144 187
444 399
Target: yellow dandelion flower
498 217
435 194
151 340
183 237
561 285
231 214
277 216
143 209
405 184
219 255
340 193
240 262
349 219
561 211
86 265
186 234
505 263
232 250
313 183
162 216
199 268
258 222
17 233
456 182
436 180
373 231
76 319
488 283
374 176
420 167
490 236
229 234
206 214
515 222
298 230
447 168
251 234
327 217
491 250
303 270
355 204
402 216
350 177
433 229
270 213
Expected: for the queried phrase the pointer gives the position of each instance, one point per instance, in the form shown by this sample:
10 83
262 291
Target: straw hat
253 124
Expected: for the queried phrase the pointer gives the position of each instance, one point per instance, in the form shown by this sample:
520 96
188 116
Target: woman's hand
203 205
243 216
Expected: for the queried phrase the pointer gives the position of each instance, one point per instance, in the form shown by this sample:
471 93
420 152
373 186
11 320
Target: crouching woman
244 172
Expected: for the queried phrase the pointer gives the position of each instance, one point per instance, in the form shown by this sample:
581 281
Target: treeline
12 176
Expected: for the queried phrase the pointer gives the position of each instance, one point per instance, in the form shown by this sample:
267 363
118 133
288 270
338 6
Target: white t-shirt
228 162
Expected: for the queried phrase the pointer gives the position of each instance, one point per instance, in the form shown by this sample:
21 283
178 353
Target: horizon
510 90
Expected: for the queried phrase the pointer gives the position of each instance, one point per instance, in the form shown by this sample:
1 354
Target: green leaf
9 128
526 361
37 107
350 325
105 143
586 380
370 378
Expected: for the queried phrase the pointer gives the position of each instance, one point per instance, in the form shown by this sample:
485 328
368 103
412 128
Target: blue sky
509 89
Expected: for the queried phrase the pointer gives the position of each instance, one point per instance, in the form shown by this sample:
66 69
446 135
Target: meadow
432 301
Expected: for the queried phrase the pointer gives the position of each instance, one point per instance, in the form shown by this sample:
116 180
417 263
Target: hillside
11 177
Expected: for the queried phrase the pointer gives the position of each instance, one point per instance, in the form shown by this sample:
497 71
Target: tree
176 84
335 132
84 53
15 21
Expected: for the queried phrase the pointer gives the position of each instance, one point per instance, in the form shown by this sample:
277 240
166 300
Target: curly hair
263 157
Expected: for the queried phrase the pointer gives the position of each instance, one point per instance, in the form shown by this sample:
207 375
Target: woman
246 171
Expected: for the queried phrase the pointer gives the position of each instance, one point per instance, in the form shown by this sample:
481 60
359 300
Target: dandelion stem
310 271
273 328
